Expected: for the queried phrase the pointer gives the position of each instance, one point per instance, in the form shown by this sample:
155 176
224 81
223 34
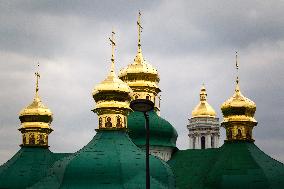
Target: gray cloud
188 42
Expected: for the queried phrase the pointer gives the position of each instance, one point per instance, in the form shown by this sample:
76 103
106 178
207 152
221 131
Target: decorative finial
237 68
203 93
37 80
139 31
112 49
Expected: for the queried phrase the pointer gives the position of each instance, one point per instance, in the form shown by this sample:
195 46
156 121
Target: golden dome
111 83
36 112
36 108
140 66
203 109
238 107
112 92
140 73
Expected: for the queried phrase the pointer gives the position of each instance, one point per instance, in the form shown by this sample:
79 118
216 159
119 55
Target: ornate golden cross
139 29
37 78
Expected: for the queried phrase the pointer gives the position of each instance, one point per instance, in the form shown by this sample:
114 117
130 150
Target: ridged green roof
236 165
26 167
162 133
110 161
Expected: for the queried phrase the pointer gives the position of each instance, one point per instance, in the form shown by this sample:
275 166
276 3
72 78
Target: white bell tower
203 126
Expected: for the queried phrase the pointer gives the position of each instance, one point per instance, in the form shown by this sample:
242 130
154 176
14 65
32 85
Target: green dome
235 165
162 133
26 167
109 161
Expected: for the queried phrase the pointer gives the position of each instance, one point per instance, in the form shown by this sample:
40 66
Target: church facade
115 157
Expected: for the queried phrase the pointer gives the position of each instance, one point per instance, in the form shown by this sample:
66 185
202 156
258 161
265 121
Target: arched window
203 142
193 143
212 141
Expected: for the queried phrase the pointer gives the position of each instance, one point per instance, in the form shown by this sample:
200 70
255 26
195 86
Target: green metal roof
26 167
236 165
109 161
162 133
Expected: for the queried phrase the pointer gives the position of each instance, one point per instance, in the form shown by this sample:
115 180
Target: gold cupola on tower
141 76
112 98
238 112
203 109
35 121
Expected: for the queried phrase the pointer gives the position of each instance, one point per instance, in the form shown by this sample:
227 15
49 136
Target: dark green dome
162 133
235 165
109 161
26 167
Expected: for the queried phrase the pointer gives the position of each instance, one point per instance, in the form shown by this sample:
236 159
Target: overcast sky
189 42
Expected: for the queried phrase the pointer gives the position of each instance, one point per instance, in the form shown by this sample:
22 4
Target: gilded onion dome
238 112
35 121
203 109
141 76
238 107
112 98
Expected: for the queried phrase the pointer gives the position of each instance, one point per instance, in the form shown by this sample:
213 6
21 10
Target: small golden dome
36 111
203 109
238 107
112 84
36 108
140 66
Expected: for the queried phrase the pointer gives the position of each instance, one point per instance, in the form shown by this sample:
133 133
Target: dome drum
239 131
112 121
34 137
